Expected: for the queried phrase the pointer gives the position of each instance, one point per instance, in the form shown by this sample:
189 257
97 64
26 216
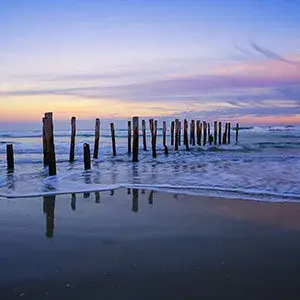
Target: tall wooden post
10 156
179 134
192 133
208 129
172 133
45 159
220 133
50 143
113 138
204 133
129 137
153 139
72 144
86 156
144 135
135 146
225 134
97 137
185 135
237 133
215 132
198 132
176 134
228 132
164 132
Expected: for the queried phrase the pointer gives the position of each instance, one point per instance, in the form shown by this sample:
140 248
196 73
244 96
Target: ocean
263 166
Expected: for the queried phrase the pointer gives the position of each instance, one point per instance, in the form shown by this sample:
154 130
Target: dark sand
146 245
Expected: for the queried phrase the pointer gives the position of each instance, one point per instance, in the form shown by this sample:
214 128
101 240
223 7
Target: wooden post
220 133
153 139
129 137
86 156
135 146
225 134
113 138
237 133
185 135
50 143
208 130
164 131
204 133
97 137
179 134
176 134
44 144
144 135
215 132
192 137
198 132
172 133
210 139
155 135
10 156
72 144
228 132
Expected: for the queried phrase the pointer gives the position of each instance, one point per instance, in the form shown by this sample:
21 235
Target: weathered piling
164 132
225 134
198 133
210 139
179 134
237 133
172 133
153 131
220 133
144 135
166 149
97 137
10 156
204 133
72 143
113 138
135 145
176 134
215 132
185 134
86 156
208 130
129 137
192 133
228 132
49 137
45 159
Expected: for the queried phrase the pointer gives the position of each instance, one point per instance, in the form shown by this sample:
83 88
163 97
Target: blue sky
172 57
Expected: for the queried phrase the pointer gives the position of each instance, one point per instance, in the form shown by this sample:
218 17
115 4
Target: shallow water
264 165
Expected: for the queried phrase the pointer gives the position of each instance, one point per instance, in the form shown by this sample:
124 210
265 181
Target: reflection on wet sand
150 198
135 200
97 197
73 201
49 207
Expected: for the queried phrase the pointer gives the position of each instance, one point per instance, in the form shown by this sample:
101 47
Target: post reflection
49 207
97 197
73 201
150 198
135 200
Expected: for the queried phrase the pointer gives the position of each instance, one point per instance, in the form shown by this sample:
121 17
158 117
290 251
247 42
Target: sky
207 59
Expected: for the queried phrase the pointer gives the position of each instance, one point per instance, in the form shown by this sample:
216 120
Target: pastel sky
212 59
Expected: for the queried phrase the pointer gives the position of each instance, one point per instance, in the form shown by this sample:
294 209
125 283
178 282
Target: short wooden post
176 134
144 135
220 133
97 137
86 156
72 143
228 132
198 132
185 135
172 133
179 134
50 143
44 144
135 146
204 133
215 132
164 132
10 156
129 137
192 137
210 139
166 149
113 138
237 133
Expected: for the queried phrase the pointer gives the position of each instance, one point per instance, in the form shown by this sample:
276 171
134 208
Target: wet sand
137 244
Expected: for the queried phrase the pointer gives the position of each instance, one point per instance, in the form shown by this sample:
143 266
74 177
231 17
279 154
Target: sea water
264 165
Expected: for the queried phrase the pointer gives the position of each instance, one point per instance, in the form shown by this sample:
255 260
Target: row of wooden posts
200 134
